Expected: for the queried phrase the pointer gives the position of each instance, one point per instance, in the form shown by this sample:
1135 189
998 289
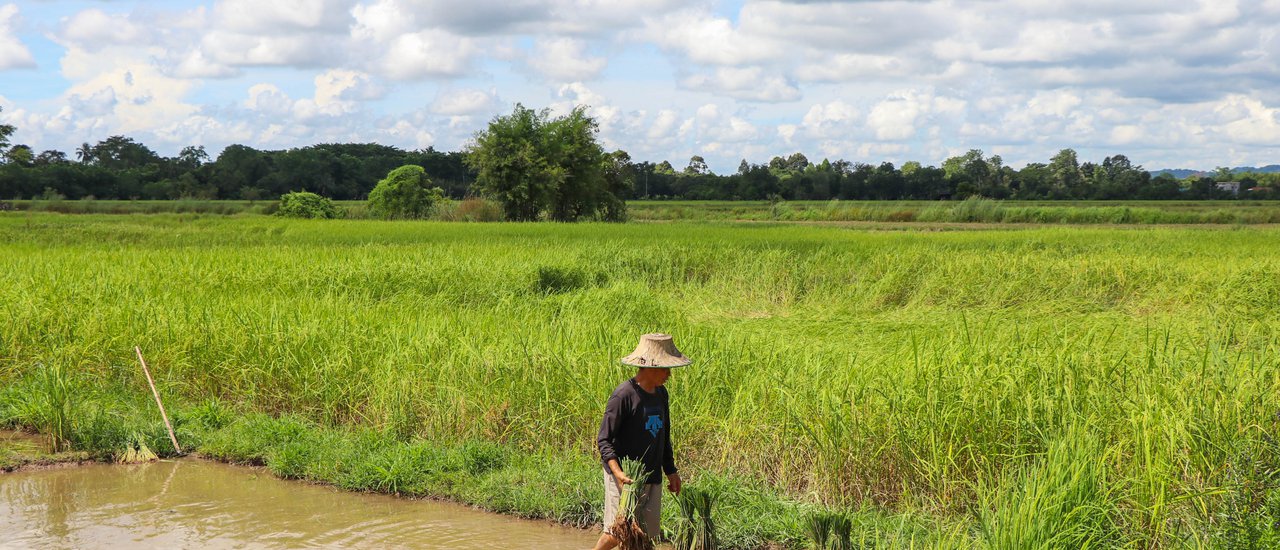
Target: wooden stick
172 437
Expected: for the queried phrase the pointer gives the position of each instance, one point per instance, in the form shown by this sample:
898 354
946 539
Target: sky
1168 83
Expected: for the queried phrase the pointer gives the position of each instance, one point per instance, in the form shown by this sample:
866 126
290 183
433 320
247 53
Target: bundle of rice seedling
136 451
818 527
625 527
841 529
695 529
829 530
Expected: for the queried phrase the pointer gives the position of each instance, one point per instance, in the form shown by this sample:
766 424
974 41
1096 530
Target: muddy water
199 504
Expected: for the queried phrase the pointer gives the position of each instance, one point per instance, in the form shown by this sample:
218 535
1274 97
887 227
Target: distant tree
20 155
192 157
6 131
406 192
241 166
1205 188
697 166
797 162
619 182
885 183
50 156
84 153
969 173
123 153
536 165
1068 179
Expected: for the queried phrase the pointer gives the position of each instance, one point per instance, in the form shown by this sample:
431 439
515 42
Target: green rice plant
49 406
695 528
1061 502
212 414
1250 516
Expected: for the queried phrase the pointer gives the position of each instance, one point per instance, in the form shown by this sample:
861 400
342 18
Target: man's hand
674 482
618 474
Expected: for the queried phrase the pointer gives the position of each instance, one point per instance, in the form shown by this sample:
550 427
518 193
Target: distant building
1232 187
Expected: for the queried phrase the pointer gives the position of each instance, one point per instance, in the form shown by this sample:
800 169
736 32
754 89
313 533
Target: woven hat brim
673 364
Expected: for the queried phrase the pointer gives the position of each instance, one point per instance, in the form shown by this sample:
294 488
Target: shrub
404 193
303 204
473 209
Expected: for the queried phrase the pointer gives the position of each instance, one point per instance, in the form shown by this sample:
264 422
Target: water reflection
188 504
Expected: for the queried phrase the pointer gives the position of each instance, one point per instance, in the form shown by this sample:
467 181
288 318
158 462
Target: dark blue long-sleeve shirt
637 425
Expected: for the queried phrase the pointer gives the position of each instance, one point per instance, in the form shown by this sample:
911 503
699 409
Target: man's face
662 375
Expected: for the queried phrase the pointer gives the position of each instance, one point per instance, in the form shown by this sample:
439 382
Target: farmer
637 426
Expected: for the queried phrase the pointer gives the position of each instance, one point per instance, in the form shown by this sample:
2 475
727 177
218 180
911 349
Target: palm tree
85 153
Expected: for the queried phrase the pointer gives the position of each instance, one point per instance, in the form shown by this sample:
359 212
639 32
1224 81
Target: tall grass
926 375
48 407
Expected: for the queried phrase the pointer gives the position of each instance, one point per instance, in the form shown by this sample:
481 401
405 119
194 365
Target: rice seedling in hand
625 526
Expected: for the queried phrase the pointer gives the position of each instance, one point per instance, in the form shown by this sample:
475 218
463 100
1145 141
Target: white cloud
94 28
428 53
13 53
836 118
901 115
664 124
1246 120
257 16
464 102
237 49
564 59
711 40
750 83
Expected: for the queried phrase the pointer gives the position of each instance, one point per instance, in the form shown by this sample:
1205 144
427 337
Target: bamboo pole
163 415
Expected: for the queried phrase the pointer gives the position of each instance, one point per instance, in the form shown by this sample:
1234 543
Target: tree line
553 167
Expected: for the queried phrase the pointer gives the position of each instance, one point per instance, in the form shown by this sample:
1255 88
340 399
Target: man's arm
669 458
610 425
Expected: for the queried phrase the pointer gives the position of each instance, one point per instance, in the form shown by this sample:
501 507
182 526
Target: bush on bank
303 204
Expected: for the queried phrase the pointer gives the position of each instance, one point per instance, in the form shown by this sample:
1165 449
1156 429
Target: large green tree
538 166
406 192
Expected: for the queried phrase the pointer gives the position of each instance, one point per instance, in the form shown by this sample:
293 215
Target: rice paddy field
1029 387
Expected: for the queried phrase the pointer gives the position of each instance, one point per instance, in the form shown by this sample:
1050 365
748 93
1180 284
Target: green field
1040 387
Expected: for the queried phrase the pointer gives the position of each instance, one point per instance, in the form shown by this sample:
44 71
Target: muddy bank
198 503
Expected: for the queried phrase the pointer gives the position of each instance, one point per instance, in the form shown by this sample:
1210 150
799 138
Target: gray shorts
648 511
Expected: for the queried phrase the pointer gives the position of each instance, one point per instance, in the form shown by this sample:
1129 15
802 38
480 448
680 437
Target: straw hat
656 351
